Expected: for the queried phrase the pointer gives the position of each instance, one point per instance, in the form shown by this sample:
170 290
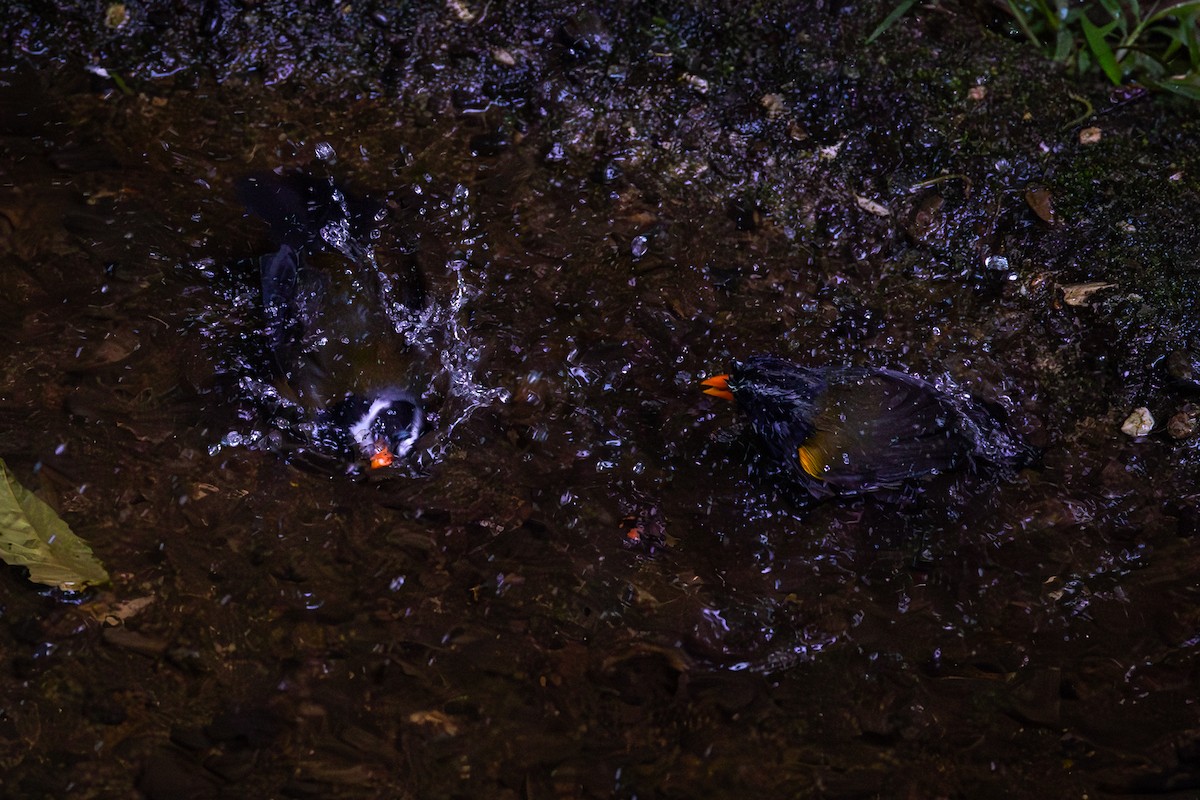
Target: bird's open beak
718 386
383 455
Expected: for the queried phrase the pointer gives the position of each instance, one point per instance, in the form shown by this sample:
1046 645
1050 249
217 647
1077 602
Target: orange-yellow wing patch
812 459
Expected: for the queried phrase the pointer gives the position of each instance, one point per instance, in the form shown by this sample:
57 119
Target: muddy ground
608 205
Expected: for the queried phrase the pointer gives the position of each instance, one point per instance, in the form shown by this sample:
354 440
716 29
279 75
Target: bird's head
384 428
769 389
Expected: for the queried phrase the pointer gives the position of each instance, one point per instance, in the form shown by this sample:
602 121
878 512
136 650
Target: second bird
849 430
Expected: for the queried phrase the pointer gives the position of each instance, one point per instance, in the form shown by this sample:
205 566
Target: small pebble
773 104
1185 422
116 16
1139 423
696 82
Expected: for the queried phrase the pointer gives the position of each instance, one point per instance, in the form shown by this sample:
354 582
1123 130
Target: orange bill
718 386
382 457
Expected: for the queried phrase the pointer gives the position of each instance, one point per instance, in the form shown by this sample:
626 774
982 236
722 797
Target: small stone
1185 422
115 16
773 104
830 152
696 82
503 57
461 11
1089 135
1139 423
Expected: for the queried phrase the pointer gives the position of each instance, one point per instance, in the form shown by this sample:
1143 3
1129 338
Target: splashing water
274 421
444 323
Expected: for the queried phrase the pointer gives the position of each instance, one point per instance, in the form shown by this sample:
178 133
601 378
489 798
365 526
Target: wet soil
588 583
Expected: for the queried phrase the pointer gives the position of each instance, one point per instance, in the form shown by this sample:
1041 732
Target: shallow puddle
584 581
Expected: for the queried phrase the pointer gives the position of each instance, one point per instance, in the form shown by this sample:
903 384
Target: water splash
438 333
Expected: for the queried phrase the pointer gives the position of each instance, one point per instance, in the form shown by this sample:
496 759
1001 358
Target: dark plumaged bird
330 311
849 430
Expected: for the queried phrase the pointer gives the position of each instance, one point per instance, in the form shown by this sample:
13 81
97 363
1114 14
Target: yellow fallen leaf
34 537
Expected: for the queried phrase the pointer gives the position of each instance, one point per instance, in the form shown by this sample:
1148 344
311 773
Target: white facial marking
361 430
405 446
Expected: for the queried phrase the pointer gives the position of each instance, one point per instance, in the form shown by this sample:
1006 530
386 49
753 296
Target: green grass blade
1050 15
1023 22
1189 90
1113 7
1193 46
1174 10
1064 45
899 11
1100 49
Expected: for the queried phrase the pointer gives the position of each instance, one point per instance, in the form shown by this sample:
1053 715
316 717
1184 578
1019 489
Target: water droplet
325 152
639 246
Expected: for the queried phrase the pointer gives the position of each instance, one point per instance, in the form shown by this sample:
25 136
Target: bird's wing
879 429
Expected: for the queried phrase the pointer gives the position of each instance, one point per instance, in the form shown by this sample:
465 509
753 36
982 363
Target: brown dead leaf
1041 201
437 719
1077 294
871 207
108 609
